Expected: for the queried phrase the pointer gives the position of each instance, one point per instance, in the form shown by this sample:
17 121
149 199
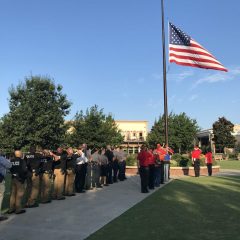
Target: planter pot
177 171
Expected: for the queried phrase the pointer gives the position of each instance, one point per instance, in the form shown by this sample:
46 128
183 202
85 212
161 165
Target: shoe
32 206
71 195
46 202
152 188
3 218
61 198
21 211
10 211
82 191
99 187
145 192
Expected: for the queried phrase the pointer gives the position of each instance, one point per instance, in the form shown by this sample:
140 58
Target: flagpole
164 78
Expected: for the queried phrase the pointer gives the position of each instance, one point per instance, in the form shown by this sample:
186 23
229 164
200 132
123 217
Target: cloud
193 97
154 104
219 77
141 80
179 77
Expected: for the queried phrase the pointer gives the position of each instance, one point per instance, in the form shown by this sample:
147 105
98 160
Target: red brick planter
177 171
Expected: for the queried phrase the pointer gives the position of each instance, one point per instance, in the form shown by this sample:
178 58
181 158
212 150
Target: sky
109 53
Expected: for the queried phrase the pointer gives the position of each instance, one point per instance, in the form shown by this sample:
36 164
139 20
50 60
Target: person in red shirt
161 152
151 169
208 161
143 162
196 160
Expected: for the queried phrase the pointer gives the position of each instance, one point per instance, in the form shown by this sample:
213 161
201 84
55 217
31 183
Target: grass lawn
186 209
229 164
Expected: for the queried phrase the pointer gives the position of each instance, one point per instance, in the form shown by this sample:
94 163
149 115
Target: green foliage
182 131
37 109
94 128
131 160
222 134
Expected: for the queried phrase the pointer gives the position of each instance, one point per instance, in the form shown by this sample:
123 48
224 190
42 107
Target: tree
181 132
94 128
222 130
37 109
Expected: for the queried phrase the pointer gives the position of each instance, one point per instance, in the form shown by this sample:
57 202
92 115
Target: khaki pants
34 191
45 187
58 184
17 192
2 190
70 177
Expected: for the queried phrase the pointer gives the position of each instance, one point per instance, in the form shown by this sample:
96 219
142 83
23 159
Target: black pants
144 178
109 173
162 172
121 174
115 170
197 167
151 176
80 177
209 167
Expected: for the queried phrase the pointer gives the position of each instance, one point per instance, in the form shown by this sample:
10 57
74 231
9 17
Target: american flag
183 50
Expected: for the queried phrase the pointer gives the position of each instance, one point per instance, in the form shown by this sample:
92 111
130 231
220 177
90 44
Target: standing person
110 157
87 171
46 176
80 170
208 161
4 165
121 155
96 168
70 172
151 169
33 160
196 160
104 167
167 159
115 165
160 151
143 159
19 175
59 166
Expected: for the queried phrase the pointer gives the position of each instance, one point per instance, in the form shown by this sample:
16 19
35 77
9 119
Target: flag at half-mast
183 50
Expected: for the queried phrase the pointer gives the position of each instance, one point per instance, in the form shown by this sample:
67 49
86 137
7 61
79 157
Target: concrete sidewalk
76 217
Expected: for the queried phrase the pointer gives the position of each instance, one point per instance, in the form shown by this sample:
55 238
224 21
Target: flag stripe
195 57
183 50
187 62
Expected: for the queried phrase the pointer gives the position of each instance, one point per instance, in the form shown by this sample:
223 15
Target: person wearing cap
160 153
19 175
5 164
151 169
196 160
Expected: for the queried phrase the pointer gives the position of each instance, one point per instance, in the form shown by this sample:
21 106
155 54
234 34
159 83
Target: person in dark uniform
208 160
104 167
115 165
59 166
46 176
80 171
70 172
110 156
19 175
33 161
143 162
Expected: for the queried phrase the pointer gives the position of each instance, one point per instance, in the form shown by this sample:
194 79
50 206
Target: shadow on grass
188 208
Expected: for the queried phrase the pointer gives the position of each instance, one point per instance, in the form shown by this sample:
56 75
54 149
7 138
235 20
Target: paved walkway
76 217
228 172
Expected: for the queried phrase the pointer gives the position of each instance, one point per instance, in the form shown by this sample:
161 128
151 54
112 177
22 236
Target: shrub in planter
131 160
173 163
